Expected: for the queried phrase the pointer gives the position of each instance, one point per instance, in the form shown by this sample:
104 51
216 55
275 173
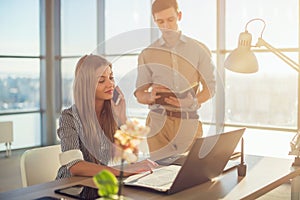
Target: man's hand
154 90
186 102
147 94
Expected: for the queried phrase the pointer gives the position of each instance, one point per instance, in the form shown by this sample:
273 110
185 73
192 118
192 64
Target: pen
146 174
151 171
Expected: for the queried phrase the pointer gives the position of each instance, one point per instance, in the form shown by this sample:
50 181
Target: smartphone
116 96
79 192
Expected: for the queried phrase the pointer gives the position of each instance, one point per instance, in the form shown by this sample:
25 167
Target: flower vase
121 177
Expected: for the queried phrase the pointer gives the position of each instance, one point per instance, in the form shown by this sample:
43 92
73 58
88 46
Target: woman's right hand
139 167
120 108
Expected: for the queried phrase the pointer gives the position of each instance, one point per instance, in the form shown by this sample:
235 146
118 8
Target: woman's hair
160 5
95 135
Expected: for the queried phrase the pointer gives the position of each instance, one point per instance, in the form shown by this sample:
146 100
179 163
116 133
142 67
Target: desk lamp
243 60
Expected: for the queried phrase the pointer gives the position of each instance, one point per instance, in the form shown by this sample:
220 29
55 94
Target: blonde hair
79 63
95 134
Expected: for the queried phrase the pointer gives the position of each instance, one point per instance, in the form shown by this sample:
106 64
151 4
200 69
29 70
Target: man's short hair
159 5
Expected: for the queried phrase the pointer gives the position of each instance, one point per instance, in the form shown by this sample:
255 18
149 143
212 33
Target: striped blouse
73 149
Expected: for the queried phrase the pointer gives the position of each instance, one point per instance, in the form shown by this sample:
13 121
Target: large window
20 70
78 38
265 100
199 22
125 37
268 98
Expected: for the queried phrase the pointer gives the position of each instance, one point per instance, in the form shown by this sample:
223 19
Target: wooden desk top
263 175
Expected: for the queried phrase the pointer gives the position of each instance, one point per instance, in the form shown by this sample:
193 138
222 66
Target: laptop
206 160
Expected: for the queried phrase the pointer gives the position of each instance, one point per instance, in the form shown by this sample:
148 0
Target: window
267 98
78 27
19 31
20 70
199 22
125 37
78 38
126 19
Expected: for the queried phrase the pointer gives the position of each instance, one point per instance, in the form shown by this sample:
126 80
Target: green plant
107 184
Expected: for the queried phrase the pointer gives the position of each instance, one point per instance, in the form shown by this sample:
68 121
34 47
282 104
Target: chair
6 135
39 165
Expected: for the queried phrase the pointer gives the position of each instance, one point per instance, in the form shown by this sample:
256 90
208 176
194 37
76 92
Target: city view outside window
19 84
20 70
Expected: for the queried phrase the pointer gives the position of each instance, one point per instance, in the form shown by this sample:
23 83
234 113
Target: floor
10 177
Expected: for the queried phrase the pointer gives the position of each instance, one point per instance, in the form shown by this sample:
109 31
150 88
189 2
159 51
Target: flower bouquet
127 139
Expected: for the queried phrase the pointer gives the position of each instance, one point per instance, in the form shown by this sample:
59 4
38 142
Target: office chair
40 165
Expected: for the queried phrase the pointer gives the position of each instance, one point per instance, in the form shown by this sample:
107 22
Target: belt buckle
187 115
159 111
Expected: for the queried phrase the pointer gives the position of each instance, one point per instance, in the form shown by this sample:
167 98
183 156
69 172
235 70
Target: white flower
129 137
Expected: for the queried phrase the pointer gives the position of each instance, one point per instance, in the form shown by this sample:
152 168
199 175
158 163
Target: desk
263 175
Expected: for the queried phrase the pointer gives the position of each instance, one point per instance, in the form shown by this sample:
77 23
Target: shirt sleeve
144 75
69 136
70 158
206 68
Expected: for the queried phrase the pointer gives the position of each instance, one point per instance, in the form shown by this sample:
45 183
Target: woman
86 129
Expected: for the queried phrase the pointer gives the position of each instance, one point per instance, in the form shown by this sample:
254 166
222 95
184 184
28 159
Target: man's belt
178 114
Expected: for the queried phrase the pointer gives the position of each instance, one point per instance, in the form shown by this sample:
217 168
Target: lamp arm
290 62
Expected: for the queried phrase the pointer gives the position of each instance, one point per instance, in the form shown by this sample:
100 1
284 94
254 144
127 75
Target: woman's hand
120 109
139 167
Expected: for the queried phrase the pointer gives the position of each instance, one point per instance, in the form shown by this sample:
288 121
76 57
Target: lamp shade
242 59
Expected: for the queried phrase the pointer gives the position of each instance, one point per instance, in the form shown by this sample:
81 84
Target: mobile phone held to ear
116 96
79 192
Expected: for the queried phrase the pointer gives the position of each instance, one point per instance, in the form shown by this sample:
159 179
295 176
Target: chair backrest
6 131
40 165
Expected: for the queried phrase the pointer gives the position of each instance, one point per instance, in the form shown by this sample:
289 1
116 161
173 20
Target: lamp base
242 169
296 162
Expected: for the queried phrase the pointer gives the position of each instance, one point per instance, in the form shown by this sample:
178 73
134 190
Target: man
171 64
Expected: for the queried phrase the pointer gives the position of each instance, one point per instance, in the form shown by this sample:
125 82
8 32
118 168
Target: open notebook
206 160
